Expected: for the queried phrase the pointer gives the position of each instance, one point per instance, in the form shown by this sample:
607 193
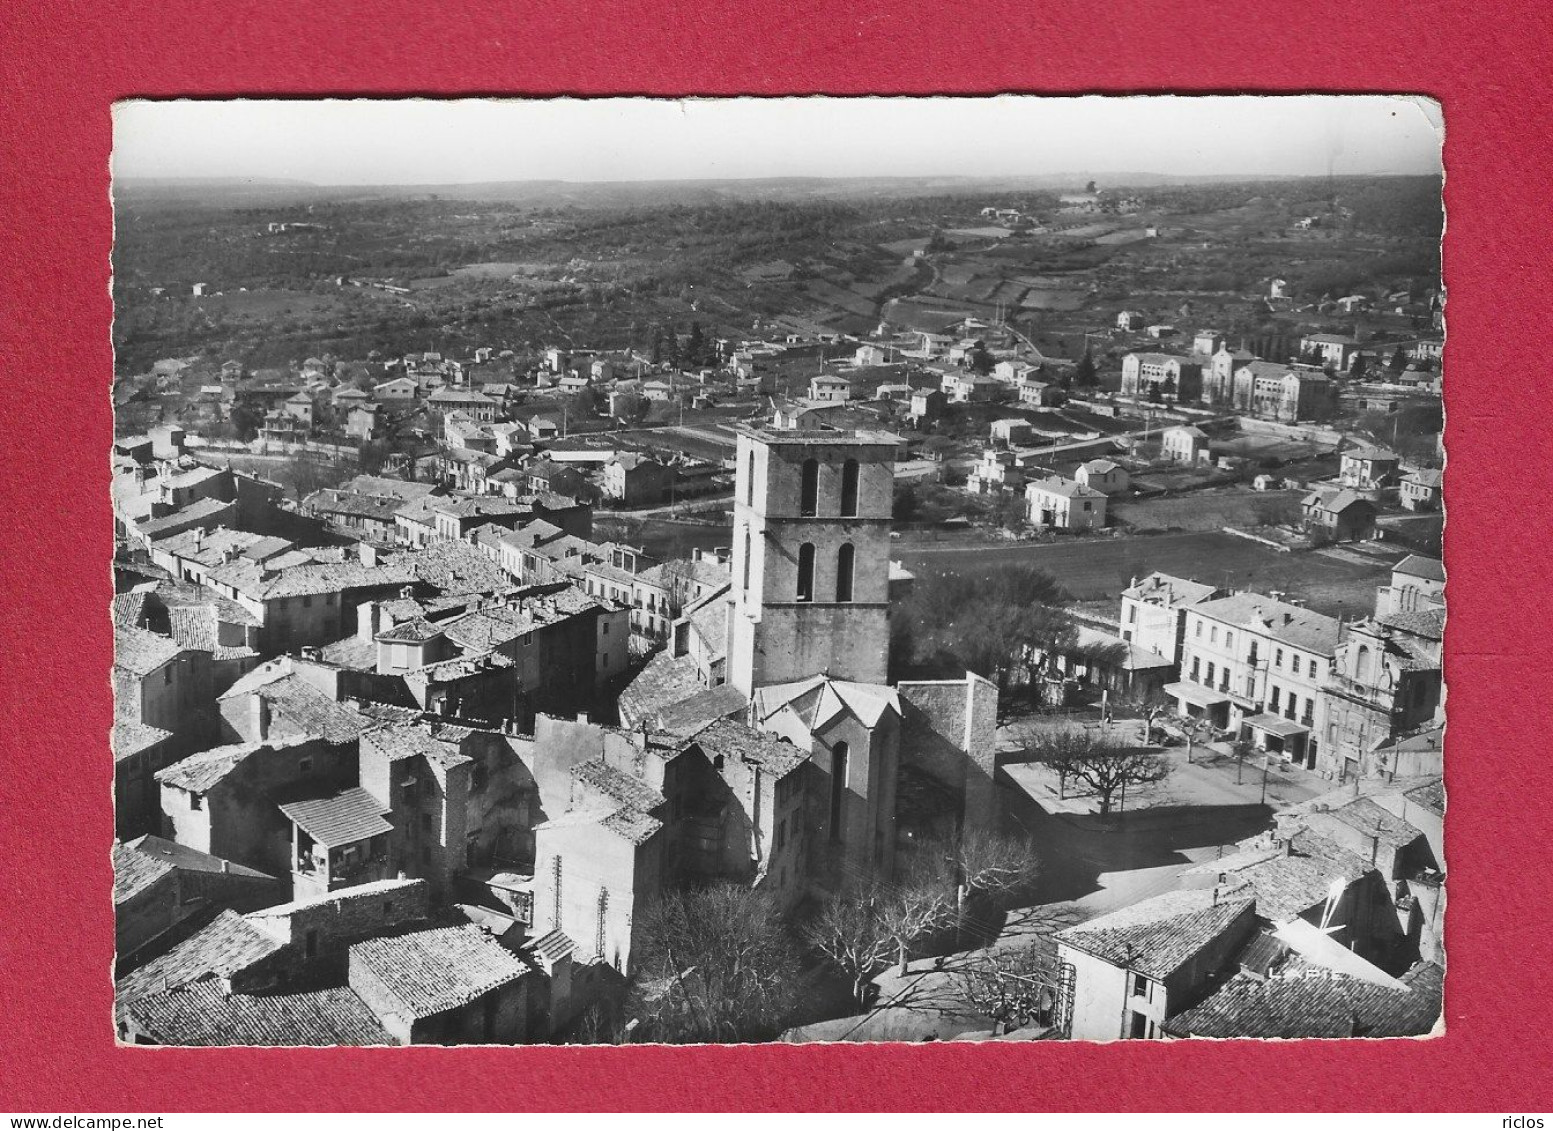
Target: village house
544 427
1103 475
1342 516
1152 608
826 389
972 388
1368 468
1136 967
1012 430
373 964
548 476
471 402
1062 504
1257 666
926 405
1040 394
283 427
364 423
460 430
994 472
1420 490
399 390
158 884
637 480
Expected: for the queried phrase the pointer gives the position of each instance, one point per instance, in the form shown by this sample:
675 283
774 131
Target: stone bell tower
811 556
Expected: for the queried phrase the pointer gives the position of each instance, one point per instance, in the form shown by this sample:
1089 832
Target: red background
65 63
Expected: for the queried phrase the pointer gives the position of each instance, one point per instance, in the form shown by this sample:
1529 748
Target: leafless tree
1150 706
1102 765
990 863
850 932
1013 987
716 964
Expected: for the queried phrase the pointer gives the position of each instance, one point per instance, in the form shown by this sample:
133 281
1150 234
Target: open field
1101 569
1203 510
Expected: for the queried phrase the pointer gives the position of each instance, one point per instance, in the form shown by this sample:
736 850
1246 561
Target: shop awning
1196 694
1276 725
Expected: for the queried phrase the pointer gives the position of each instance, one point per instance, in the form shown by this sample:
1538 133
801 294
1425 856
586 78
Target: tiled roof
1429 795
1175 590
225 945
452 567
1416 565
664 681
310 710
338 817
131 737
411 740
432 971
201 1013
1316 1003
416 630
134 872
729 739
1281 621
1370 452
617 785
1428 623
632 825
1425 477
1267 369
1336 501
260 583
386 487
1160 935
140 652
198 772
186 859
1370 819
1284 885
689 716
196 512
129 609
1067 488
553 946
333 502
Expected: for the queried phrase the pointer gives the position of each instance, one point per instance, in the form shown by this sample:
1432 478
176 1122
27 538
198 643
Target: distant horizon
1117 178
409 143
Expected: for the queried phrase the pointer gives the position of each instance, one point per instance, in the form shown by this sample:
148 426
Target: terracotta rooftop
338 817
1316 1003
1281 621
202 1013
227 944
730 740
140 652
432 971
1160 935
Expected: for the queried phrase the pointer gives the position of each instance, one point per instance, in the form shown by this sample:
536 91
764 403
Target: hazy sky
423 141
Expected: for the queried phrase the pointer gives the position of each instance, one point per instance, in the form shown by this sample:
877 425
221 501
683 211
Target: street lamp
1267 761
